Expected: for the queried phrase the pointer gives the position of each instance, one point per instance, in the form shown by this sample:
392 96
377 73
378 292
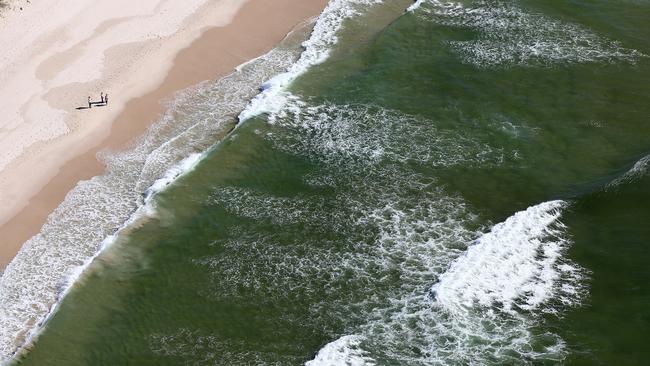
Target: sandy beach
56 54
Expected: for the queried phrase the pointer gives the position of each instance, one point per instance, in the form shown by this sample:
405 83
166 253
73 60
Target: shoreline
255 28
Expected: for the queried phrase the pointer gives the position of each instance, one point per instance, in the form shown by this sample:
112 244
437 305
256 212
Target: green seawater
421 132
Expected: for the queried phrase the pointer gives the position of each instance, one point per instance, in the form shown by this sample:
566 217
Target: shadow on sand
94 104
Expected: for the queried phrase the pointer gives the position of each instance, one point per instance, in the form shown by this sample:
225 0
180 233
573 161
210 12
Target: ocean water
430 183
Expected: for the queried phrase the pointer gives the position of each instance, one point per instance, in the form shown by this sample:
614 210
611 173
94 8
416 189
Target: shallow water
465 183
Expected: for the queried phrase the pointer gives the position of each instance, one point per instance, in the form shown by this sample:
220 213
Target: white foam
344 134
641 167
185 166
514 267
274 96
509 35
343 351
204 348
415 5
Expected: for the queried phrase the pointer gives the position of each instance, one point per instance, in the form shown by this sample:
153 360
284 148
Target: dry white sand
56 53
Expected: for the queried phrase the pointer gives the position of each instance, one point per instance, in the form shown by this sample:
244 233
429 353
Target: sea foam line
147 209
274 96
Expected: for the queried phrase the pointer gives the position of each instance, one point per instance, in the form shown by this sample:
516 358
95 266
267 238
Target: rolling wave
638 170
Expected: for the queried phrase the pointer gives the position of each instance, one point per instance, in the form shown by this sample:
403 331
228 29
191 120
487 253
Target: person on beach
106 99
102 97
90 104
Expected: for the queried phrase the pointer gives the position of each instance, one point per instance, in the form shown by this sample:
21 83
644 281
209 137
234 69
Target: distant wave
509 35
638 170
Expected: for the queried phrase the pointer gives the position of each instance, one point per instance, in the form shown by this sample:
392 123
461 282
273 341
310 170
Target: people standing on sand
104 100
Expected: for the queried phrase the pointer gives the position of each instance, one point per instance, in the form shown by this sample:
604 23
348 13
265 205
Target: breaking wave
638 170
482 308
343 351
274 96
416 5
515 267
